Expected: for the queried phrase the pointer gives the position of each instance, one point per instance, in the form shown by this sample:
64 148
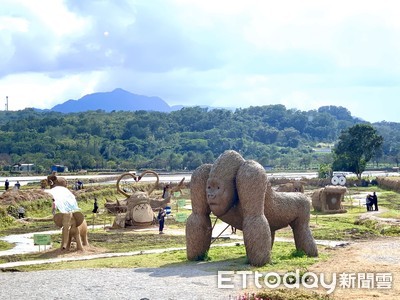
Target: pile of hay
391 183
16 196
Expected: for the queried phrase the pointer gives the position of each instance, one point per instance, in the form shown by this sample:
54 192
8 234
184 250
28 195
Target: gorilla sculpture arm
198 224
252 184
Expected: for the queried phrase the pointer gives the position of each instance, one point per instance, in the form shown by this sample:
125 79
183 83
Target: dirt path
365 257
369 258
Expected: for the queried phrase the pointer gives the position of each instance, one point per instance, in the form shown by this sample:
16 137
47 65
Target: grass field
347 226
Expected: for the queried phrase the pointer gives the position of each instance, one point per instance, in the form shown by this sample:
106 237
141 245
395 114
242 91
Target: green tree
175 161
142 140
324 171
356 146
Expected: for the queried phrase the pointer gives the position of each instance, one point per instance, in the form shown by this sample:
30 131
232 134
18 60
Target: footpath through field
24 244
362 259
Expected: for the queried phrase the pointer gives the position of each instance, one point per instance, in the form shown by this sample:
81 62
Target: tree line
273 135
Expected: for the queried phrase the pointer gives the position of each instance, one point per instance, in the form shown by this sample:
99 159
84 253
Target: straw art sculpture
295 186
237 191
53 180
138 205
74 227
329 199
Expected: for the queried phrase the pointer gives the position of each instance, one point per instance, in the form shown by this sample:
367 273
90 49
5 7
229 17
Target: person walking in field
166 192
375 201
161 220
95 206
6 185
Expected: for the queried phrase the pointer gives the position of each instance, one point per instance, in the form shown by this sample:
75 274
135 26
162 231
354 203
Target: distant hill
117 100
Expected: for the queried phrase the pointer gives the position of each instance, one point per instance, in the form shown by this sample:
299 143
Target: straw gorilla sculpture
237 191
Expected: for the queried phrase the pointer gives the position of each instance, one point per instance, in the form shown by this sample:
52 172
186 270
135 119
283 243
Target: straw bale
322 199
391 183
295 186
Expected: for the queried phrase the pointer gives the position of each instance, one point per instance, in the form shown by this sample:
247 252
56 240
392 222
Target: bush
3 212
6 221
12 211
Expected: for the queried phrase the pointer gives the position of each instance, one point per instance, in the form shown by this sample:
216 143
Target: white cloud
302 54
35 95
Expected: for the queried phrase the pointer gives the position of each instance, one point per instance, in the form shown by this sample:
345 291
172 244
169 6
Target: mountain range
119 100
116 100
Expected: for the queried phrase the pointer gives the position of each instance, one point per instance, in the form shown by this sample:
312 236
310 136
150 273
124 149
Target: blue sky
302 54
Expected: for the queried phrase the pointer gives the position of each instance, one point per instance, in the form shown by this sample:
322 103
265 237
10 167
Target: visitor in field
21 212
374 201
233 230
6 184
78 185
53 207
17 186
166 192
369 202
161 219
95 207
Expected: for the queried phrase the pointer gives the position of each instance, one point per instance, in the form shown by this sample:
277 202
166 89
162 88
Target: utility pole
6 103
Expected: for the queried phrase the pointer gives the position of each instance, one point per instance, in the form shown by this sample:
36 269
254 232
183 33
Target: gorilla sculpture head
222 194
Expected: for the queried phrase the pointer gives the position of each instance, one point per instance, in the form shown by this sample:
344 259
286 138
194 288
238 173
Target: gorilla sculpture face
219 196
